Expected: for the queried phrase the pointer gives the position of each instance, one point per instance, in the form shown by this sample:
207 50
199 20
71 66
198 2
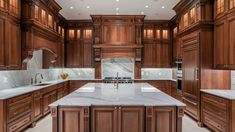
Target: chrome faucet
117 82
36 78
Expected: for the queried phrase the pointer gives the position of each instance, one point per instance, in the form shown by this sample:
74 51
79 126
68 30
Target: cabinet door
220 46
74 55
148 55
37 105
46 102
231 41
14 45
87 53
190 79
72 120
131 119
104 119
2 43
165 55
157 55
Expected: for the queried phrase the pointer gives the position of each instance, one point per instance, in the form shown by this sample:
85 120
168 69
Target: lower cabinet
37 103
117 119
217 113
47 100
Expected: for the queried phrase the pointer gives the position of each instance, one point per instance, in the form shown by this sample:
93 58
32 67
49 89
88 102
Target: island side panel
161 119
180 114
54 115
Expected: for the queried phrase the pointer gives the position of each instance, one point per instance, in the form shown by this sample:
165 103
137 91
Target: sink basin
42 84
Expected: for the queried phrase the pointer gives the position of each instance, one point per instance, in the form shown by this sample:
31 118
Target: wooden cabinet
74 85
217 113
74 119
2 42
38 105
48 98
79 47
191 77
19 111
117 119
157 48
164 86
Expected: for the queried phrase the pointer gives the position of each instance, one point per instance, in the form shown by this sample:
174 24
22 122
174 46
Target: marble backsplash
124 66
156 73
233 80
13 79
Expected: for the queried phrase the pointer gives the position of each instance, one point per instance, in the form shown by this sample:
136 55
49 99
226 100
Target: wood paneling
2 43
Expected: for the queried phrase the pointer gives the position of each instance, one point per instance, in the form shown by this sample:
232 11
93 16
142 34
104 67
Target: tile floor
45 124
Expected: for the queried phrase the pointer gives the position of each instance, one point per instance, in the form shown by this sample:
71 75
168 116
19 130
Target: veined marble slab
156 74
101 94
227 94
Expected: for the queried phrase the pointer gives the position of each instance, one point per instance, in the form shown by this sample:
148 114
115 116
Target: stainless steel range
119 79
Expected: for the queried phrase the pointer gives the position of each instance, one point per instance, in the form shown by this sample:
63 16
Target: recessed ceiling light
71 7
117 0
117 9
117 13
163 7
146 6
87 7
142 12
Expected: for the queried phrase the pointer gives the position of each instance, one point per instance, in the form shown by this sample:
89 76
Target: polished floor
45 124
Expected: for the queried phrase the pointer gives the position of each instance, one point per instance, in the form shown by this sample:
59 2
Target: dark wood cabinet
48 98
74 55
217 113
191 78
38 105
157 47
2 42
117 119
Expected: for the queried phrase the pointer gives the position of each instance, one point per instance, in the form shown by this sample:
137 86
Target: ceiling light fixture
146 6
163 7
117 9
117 0
117 13
87 7
71 7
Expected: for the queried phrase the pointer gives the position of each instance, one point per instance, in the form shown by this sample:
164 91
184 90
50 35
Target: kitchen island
100 107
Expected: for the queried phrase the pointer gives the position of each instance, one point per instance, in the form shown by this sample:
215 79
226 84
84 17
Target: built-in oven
179 76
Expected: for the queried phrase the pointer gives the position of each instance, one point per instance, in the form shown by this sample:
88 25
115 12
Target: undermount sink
41 84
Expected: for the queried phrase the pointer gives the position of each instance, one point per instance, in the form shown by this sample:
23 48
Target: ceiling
82 9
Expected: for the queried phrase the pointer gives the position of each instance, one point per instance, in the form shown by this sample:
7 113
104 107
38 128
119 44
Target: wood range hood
118 37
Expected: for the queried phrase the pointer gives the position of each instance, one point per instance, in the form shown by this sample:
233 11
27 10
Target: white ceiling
126 7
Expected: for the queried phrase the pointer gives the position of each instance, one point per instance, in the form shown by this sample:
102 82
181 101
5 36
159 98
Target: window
220 6
87 34
78 34
158 34
165 34
232 4
43 16
1 3
14 6
36 12
71 34
50 21
192 15
185 20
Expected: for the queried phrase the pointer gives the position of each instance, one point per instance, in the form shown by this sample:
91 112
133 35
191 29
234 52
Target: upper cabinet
188 19
224 44
157 47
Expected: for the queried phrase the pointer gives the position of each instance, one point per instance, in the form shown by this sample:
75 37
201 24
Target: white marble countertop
227 94
101 94
13 92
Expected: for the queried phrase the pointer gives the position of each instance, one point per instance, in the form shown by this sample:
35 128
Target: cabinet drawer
214 124
19 99
191 107
217 101
19 124
19 110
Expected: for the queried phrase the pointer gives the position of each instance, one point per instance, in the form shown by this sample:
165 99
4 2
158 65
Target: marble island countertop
99 94
227 94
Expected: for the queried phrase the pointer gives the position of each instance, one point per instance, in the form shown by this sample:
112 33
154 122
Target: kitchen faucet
36 78
117 82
